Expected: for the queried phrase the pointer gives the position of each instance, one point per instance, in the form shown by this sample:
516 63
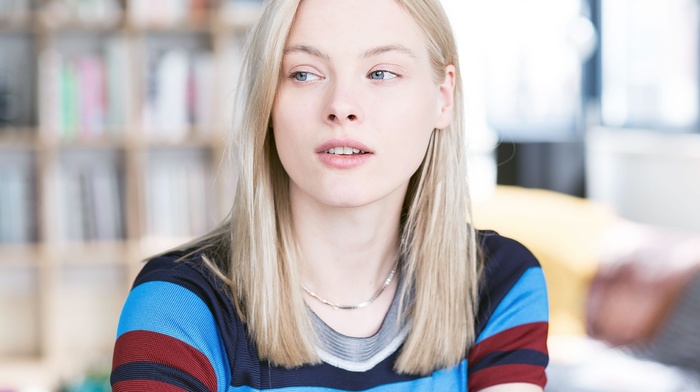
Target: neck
347 253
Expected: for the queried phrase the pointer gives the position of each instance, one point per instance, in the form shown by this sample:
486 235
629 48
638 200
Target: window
650 69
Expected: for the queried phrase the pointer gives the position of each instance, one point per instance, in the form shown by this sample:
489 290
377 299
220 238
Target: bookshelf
113 120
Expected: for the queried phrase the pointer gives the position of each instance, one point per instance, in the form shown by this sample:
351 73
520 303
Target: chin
344 198
345 202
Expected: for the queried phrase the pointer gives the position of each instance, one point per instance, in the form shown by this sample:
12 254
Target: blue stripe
525 303
172 310
453 379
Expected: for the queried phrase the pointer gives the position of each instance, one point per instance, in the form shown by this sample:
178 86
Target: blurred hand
644 271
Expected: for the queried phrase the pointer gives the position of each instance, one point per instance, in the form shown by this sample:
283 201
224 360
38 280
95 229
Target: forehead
355 25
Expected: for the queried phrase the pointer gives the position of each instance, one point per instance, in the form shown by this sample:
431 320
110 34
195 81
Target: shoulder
505 263
180 269
174 286
513 316
512 278
503 255
177 315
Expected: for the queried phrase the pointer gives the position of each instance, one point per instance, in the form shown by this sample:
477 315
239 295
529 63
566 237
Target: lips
344 153
343 147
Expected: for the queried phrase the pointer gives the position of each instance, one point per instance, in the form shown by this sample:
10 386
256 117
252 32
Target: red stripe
147 346
531 336
145 385
506 374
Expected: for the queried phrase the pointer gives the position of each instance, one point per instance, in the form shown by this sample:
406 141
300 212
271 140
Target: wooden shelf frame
57 265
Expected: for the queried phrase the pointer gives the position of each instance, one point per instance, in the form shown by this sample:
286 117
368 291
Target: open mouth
344 151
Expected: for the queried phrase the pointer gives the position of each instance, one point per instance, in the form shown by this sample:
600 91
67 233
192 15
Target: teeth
344 150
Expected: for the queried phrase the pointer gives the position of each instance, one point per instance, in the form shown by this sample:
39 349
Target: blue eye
381 75
303 76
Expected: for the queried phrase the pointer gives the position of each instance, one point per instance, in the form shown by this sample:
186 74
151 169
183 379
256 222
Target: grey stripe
360 354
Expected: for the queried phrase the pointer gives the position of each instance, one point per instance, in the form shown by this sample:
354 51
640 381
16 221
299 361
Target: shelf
17 255
15 25
102 143
17 138
57 16
71 25
91 253
25 375
192 139
85 310
20 337
202 26
98 172
237 15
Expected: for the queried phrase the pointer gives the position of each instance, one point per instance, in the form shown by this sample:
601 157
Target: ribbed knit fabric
179 331
360 354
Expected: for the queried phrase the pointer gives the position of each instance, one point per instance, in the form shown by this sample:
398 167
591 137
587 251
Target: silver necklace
361 304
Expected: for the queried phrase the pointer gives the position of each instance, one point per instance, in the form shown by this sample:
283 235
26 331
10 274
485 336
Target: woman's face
356 103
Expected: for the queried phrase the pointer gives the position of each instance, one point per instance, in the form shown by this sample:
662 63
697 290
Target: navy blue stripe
156 372
327 376
517 357
196 277
506 261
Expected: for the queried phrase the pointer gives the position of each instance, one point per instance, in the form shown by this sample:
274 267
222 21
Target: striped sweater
179 331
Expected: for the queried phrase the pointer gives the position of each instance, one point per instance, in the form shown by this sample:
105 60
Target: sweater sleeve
167 339
511 345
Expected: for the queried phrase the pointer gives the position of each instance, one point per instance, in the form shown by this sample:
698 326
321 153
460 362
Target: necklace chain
361 304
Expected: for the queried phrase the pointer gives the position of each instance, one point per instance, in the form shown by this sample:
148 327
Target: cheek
414 127
281 132
291 110
290 125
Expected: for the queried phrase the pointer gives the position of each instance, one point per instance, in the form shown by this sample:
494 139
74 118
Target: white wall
648 177
467 21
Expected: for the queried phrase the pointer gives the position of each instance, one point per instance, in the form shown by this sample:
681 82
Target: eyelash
296 74
394 75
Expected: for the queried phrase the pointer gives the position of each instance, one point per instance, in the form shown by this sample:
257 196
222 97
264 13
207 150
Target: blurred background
583 118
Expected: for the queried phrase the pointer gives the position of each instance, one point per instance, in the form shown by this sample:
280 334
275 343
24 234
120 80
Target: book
92 196
17 80
91 95
16 198
241 12
178 92
14 9
176 194
158 13
171 100
118 77
84 93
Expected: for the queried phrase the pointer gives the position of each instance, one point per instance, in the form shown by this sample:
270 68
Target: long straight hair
255 252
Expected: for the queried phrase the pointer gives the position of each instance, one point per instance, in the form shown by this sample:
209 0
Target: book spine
171 99
116 65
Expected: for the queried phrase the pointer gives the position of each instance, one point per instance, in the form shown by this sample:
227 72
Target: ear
446 98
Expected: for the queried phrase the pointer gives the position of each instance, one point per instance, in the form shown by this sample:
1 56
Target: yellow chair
563 232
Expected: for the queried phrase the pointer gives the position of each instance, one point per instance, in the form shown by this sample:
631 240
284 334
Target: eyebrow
369 53
389 48
306 49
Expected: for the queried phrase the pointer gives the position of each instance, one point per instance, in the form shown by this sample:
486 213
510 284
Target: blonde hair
254 249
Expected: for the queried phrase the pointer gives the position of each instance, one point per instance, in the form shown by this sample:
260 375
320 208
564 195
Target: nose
343 104
350 117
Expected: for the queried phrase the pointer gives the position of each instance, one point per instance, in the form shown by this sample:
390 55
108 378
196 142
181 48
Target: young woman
348 261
